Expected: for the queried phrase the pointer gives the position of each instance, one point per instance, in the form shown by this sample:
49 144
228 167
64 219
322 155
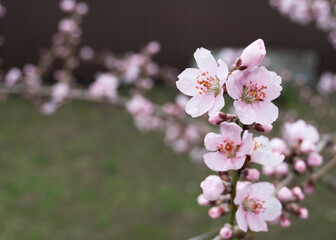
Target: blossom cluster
252 88
322 12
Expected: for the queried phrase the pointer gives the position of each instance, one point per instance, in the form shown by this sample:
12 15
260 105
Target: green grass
86 173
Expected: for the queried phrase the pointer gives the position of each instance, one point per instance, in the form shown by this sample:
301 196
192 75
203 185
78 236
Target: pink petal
218 105
222 72
242 194
246 145
234 84
241 219
261 189
256 222
266 158
237 162
216 161
273 209
212 140
245 112
199 104
187 81
205 61
266 112
231 131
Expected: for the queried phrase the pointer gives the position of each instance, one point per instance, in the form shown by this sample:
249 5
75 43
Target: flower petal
231 131
266 112
187 81
222 72
241 219
212 140
218 105
205 61
256 223
245 112
272 209
199 104
216 161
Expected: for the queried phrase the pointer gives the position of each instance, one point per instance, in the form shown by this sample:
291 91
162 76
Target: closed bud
300 166
252 55
226 232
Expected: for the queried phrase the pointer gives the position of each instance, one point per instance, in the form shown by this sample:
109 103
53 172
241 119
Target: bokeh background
86 172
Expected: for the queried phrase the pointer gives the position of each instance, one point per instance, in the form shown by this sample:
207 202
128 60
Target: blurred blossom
67 25
60 91
13 76
86 53
105 85
82 8
67 5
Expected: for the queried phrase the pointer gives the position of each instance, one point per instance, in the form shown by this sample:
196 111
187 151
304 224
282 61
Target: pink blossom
138 105
279 146
13 76
282 169
67 5
285 221
303 213
297 192
252 55
252 174
202 201
253 90
105 85
285 194
262 152
314 159
241 185
256 206
67 25
215 212
204 84
229 149
300 165
226 231
212 187
300 132
60 91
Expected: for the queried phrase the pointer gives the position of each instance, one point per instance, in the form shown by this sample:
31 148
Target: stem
235 177
326 168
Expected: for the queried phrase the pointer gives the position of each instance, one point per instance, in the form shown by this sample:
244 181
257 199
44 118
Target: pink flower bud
314 159
285 195
215 212
303 213
297 192
282 169
263 128
284 221
300 166
307 146
268 170
220 117
202 201
310 187
226 232
278 145
252 55
252 174
212 187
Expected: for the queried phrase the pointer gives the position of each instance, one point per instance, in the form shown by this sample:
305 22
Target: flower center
207 84
228 148
253 93
257 145
253 205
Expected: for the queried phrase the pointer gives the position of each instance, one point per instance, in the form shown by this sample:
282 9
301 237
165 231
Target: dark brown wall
180 25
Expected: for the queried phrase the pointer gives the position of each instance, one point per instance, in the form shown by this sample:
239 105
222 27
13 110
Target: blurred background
86 172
